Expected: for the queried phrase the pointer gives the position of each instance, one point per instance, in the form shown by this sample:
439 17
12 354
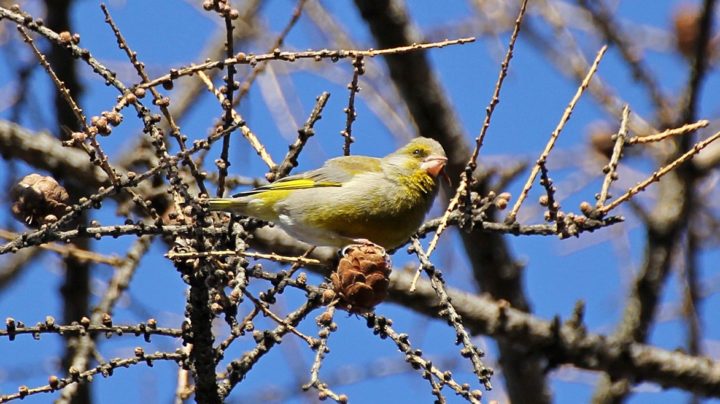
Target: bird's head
422 154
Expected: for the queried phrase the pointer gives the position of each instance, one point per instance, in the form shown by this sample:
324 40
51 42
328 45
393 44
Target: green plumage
383 200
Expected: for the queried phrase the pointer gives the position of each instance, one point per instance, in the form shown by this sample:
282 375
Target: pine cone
362 278
687 29
601 138
686 21
38 200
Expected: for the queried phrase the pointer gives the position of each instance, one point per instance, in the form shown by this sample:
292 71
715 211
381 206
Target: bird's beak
433 164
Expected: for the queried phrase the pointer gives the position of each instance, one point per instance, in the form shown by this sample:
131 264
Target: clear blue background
596 268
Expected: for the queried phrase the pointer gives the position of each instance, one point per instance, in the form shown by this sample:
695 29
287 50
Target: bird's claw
361 241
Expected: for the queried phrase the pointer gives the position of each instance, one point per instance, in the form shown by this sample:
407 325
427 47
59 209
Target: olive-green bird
351 199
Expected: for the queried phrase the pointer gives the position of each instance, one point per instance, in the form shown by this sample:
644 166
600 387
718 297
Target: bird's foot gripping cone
362 277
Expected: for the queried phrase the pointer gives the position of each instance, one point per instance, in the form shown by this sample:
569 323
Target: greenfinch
350 199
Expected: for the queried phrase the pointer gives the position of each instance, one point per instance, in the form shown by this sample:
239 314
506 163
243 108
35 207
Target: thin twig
77 111
57 383
472 162
562 49
603 19
279 281
261 305
238 368
41 237
553 204
683 130
101 313
658 174
304 133
554 136
13 329
312 55
49 232
415 359
226 104
259 68
70 250
237 119
184 388
325 320
158 99
350 114
247 254
448 312
611 168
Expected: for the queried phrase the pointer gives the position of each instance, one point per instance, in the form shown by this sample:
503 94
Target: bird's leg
361 241
344 251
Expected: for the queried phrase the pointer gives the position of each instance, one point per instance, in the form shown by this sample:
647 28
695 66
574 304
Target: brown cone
600 135
686 23
38 200
362 278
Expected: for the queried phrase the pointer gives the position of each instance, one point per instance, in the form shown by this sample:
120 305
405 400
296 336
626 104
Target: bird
350 199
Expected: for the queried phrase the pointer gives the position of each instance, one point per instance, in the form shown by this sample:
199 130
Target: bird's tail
235 205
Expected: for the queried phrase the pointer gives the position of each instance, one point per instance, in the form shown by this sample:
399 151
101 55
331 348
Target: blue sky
596 267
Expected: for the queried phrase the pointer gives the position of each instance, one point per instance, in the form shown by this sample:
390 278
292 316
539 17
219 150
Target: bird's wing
343 169
334 173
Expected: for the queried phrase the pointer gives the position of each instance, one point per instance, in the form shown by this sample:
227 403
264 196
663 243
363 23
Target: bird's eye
417 152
